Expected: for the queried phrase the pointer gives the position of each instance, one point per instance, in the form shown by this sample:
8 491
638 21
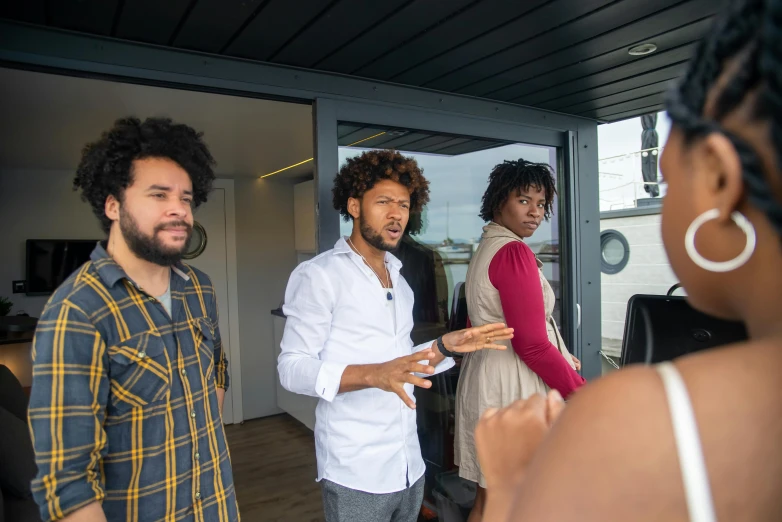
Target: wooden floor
274 468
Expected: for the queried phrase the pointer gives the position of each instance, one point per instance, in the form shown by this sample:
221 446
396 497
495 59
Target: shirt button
141 355
192 414
197 455
198 495
184 372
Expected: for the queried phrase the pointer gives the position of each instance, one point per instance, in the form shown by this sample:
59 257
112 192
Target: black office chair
663 327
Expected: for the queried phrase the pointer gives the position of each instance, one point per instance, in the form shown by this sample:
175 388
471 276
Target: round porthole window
197 243
614 252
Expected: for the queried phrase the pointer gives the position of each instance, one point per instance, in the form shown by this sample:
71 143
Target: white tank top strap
685 429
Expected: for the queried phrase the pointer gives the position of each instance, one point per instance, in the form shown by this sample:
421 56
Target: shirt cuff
328 380
445 365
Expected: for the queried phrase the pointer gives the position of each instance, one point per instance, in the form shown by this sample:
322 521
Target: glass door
457 154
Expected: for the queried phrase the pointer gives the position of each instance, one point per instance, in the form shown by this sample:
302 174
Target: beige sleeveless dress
493 378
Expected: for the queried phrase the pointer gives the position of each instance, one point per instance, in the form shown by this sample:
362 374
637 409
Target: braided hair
512 176
745 46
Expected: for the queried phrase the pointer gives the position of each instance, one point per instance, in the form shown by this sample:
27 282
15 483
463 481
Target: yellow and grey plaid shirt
123 408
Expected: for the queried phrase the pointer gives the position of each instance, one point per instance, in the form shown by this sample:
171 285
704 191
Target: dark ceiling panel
654 61
633 114
275 25
432 141
361 134
470 146
653 100
329 32
562 55
407 22
89 16
535 22
212 23
403 141
601 62
507 68
343 129
613 99
30 11
151 21
656 76
468 24
449 141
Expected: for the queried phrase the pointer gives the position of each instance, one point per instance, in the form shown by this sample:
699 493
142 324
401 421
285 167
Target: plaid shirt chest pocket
139 371
205 345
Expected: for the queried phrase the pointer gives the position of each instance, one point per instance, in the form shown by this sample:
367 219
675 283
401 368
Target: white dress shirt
337 315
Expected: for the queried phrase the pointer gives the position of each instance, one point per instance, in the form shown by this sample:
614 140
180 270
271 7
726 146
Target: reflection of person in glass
347 341
505 284
423 269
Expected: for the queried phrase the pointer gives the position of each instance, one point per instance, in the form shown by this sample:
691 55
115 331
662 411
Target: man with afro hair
347 341
129 373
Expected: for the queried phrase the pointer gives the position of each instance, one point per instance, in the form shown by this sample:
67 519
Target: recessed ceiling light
642 49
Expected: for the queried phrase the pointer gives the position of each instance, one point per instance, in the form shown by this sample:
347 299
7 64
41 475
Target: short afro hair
106 166
360 174
513 176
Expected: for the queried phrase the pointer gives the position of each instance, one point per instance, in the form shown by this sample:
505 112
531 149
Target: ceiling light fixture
642 49
310 159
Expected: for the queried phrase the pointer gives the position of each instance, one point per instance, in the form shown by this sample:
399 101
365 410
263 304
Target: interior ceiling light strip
310 159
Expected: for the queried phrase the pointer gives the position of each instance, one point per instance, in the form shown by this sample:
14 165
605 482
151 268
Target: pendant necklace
389 295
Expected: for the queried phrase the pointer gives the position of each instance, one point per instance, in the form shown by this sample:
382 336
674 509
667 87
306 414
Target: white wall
35 205
647 272
266 257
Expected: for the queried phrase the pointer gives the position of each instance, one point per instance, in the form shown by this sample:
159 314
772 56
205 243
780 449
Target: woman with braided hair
698 438
505 284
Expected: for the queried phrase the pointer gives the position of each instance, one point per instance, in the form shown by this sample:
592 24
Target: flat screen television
51 261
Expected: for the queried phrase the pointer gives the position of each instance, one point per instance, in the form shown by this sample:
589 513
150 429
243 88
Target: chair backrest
661 328
458 319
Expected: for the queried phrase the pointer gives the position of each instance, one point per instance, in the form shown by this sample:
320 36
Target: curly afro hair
360 174
106 167
512 176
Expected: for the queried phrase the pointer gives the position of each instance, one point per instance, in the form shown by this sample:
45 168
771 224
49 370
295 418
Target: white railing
621 181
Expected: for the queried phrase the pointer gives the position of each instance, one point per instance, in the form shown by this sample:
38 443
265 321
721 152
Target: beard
151 248
373 237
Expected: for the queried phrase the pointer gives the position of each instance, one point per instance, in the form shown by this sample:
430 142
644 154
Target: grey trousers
343 504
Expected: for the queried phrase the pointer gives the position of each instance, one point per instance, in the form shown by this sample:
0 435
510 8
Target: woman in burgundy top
505 284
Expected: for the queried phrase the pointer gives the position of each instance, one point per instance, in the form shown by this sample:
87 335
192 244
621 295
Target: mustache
172 224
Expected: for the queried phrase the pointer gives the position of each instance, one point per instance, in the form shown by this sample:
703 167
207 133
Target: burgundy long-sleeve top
514 273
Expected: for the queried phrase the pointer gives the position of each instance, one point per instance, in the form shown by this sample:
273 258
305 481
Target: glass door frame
579 205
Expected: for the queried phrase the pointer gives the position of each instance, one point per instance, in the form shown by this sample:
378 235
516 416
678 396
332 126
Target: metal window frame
338 97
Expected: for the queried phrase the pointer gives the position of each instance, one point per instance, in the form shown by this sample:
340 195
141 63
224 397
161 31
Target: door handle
578 316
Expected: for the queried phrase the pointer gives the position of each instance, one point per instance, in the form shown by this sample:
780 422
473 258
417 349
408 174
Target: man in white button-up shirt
347 341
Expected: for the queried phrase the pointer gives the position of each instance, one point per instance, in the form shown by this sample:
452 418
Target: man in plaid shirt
129 373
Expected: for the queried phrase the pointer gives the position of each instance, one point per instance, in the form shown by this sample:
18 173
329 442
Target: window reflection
435 251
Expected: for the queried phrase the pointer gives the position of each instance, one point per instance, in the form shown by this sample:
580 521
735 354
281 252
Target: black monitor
51 261
674 328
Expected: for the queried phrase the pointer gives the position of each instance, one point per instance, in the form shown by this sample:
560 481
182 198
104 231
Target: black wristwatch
444 350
